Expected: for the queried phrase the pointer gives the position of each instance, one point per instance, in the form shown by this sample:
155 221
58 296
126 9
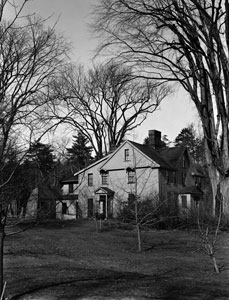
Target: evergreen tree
40 157
195 144
80 153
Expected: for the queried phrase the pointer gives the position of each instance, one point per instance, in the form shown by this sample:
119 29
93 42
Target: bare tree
31 55
185 42
105 103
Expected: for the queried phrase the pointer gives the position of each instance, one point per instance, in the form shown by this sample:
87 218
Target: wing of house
132 170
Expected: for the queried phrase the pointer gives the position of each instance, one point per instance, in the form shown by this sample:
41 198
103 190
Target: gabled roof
154 155
172 155
167 158
74 178
104 190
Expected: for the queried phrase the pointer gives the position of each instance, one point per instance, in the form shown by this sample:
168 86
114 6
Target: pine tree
40 156
80 153
195 144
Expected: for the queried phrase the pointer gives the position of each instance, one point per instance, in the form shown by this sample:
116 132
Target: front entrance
103 206
105 198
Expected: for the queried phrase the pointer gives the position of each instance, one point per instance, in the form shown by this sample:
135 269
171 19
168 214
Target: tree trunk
216 268
2 237
212 172
139 237
224 190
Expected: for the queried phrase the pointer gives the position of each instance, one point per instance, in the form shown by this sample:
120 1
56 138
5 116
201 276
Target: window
167 176
183 177
183 162
64 208
104 177
90 179
184 202
70 188
126 155
169 198
198 182
175 177
131 176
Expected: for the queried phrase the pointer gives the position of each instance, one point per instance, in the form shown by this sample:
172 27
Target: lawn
70 260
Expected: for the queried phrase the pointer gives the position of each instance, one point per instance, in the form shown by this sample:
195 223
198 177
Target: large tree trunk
220 193
2 237
224 190
212 172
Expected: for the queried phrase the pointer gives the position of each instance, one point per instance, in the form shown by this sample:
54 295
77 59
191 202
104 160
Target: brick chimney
154 139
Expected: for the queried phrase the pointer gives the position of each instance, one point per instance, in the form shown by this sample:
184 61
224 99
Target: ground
70 260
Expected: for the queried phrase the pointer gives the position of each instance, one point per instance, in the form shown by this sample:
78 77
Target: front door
103 205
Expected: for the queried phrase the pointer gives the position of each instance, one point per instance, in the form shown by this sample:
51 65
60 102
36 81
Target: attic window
126 154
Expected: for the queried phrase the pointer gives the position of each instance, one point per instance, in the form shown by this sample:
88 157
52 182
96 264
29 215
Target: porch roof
104 190
193 190
71 179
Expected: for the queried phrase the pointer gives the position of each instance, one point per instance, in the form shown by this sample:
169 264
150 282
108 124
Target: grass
70 260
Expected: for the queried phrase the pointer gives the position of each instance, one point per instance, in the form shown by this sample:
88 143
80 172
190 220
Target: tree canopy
193 142
80 152
105 103
186 42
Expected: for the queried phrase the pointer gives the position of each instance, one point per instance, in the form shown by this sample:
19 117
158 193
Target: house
133 170
40 203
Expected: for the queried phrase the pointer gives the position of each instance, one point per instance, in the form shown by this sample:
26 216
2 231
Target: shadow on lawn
132 286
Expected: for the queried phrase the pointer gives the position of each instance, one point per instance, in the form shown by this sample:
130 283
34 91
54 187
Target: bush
150 214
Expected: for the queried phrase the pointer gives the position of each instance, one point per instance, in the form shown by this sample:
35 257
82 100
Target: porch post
106 208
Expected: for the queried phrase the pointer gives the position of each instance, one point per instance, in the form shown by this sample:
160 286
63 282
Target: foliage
150 214
195 144
31 56
80 153
40 156
184 42
164 141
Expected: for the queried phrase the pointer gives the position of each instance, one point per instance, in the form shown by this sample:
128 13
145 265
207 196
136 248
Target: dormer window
126 154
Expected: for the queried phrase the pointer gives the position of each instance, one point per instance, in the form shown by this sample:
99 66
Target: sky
176 111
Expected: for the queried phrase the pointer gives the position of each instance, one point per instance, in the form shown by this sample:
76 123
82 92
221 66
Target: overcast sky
73 16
